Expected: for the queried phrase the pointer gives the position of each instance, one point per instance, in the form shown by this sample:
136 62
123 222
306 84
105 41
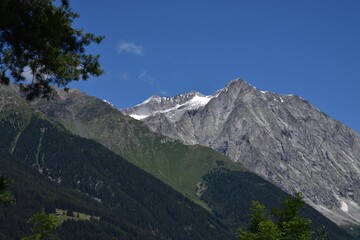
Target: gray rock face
283 138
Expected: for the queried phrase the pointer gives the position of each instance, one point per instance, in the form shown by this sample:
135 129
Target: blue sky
169 47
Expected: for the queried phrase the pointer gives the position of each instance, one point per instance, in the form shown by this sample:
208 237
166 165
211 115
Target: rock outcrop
283 138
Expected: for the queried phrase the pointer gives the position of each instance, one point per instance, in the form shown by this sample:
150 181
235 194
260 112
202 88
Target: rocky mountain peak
168 101
168 105
237 85
283 138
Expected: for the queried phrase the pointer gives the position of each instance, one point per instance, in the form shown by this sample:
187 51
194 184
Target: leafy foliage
258 216
265 230
289 225
43 226
37 36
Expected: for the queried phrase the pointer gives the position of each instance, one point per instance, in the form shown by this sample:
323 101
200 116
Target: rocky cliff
283 138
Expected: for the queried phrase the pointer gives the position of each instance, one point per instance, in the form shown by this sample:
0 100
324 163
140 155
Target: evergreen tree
291 224
287 226
43 226
260 226
37 36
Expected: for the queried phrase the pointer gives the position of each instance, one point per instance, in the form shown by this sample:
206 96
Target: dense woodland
230 194
33 194
128 200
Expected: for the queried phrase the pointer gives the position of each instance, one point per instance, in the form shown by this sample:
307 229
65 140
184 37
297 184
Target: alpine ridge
201 174
173 106
54 169
283 138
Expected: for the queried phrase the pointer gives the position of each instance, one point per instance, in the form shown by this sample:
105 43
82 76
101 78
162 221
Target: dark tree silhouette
37 36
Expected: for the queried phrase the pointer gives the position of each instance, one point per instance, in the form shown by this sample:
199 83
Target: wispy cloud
131 48
163 92
145 76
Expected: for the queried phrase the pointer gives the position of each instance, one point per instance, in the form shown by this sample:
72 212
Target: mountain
230 194
53 168
34 193
283 138
185 168
174 163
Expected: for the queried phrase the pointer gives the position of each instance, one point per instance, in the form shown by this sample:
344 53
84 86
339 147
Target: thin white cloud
131 48
163 92
124 76
145 76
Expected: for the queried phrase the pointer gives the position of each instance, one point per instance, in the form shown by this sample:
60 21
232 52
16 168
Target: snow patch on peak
195 102
106 101
344 207
183 98
173 107
138 117
154 97
198 100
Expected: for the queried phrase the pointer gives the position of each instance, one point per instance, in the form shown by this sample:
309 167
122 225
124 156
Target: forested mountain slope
34 193
176 164
168 160
140 205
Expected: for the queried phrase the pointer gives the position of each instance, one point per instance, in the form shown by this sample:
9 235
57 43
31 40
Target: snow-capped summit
173 107
104 100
